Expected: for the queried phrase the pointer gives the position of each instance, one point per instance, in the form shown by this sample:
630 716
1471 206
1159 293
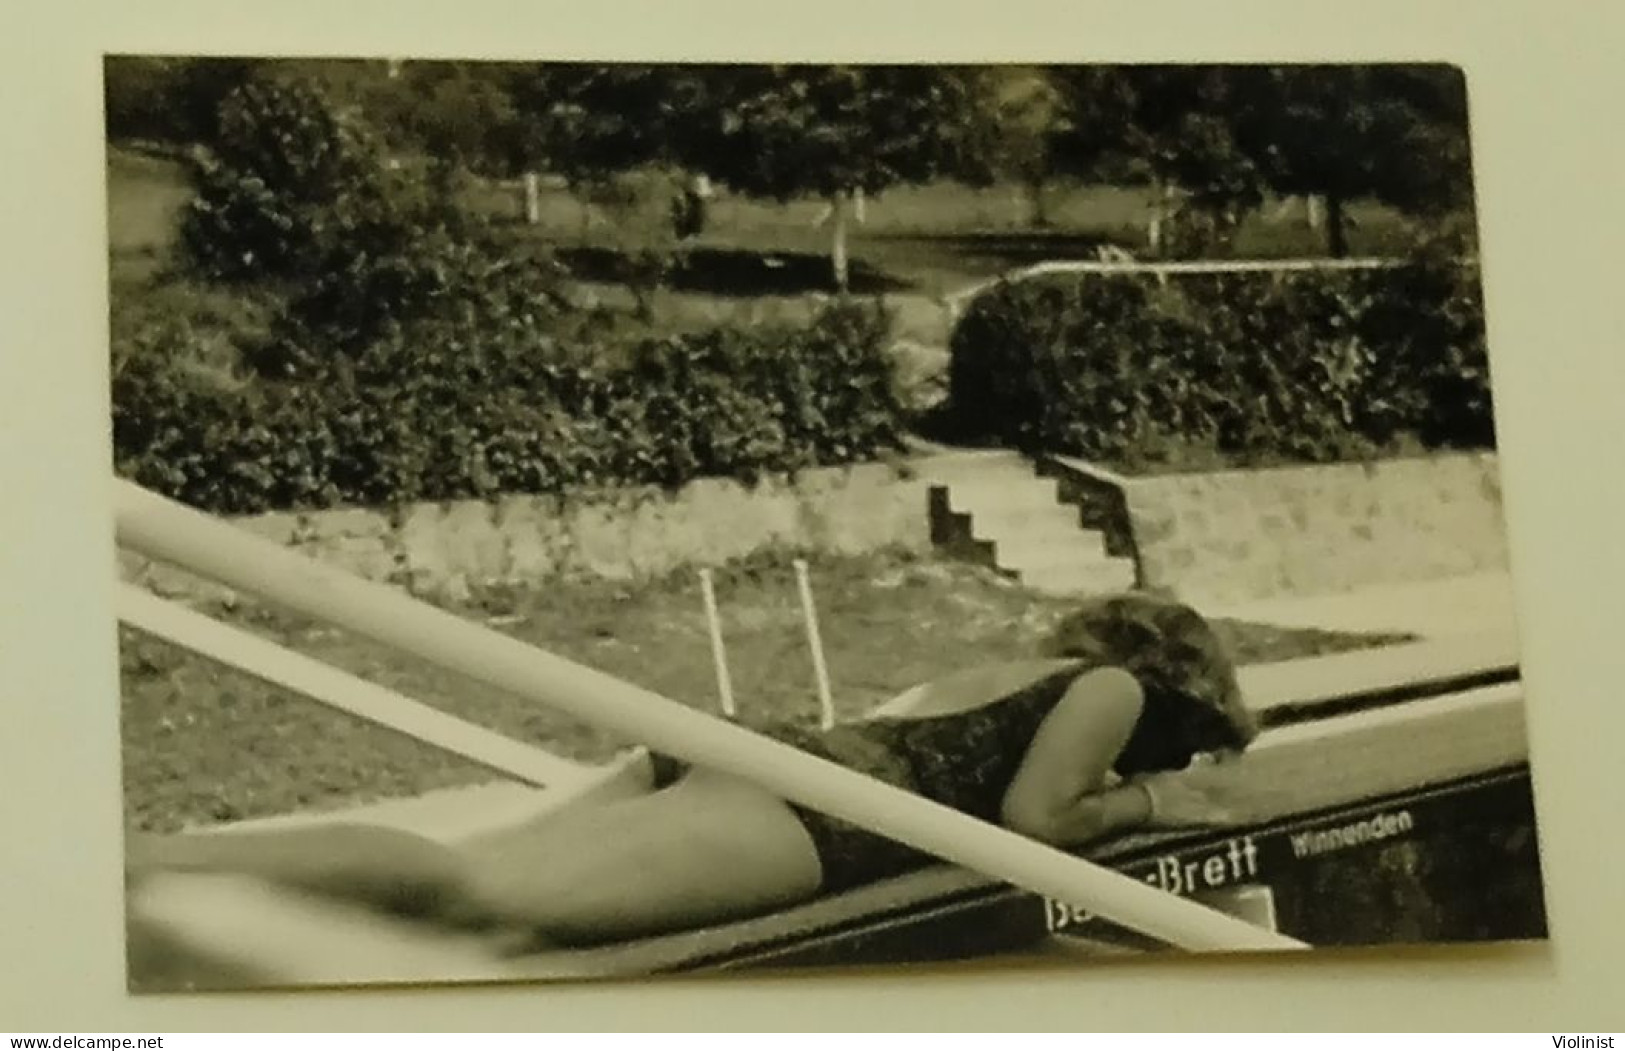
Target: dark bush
282 182
1298 367
1286 375
293 191
295 194
440 286
743 402
1429 321
445 410
1042 364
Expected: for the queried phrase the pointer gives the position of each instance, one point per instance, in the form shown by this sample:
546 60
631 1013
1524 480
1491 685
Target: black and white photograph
607 520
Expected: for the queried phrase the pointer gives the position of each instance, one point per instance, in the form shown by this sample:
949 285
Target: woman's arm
1093 817
1059 794
1056 795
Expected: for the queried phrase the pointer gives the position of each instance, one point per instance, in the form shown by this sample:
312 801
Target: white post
1154 221
533 198
169 532
815 642
837 205
719 653
1314 212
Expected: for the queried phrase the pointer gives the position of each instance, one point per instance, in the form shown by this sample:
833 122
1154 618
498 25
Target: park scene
771 394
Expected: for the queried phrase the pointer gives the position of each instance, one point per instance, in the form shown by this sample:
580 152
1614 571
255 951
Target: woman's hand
1177 802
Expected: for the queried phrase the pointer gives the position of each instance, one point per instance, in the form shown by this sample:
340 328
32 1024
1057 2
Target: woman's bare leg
384 868
707 850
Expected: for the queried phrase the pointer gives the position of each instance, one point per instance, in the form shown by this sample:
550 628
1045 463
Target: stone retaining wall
442 549
1233 536
1230 536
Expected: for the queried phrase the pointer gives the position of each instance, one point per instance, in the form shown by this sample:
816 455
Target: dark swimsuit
965 760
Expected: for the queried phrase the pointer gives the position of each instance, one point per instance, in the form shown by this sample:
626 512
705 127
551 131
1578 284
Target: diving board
1346 762
216 926
1294 776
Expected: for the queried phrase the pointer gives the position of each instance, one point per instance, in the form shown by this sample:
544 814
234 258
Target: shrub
447 410
440 287
1260 368
1043 365
296 195
1287 376
282 184
1429 320
740 402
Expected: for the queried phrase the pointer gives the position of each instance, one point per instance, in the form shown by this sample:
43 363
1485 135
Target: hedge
448 412
1249 368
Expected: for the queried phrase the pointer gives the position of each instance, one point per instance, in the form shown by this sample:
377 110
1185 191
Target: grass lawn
756 261
917 243
928 240
145 194
204 745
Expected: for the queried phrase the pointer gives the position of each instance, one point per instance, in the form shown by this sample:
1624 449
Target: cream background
1544 78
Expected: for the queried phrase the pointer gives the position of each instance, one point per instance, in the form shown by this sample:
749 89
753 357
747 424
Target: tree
617 135
1019 122
588 123
459 113
1397 134
1095 136
783 131
1224 136
282 160
170 100
1167 125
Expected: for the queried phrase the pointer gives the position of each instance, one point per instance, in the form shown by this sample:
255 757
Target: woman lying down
1067 749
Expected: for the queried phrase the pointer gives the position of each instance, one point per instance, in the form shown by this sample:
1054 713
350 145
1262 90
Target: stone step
1052 559
996 495
1035 524
1018 518
1019 549
961 466
1115 574
1102 576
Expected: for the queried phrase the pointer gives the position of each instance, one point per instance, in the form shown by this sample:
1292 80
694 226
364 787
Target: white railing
1127 265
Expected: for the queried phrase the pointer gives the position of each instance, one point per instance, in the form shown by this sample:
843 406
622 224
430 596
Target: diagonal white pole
167 531
279 666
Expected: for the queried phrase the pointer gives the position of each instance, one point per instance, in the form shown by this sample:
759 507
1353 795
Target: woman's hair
1172 651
